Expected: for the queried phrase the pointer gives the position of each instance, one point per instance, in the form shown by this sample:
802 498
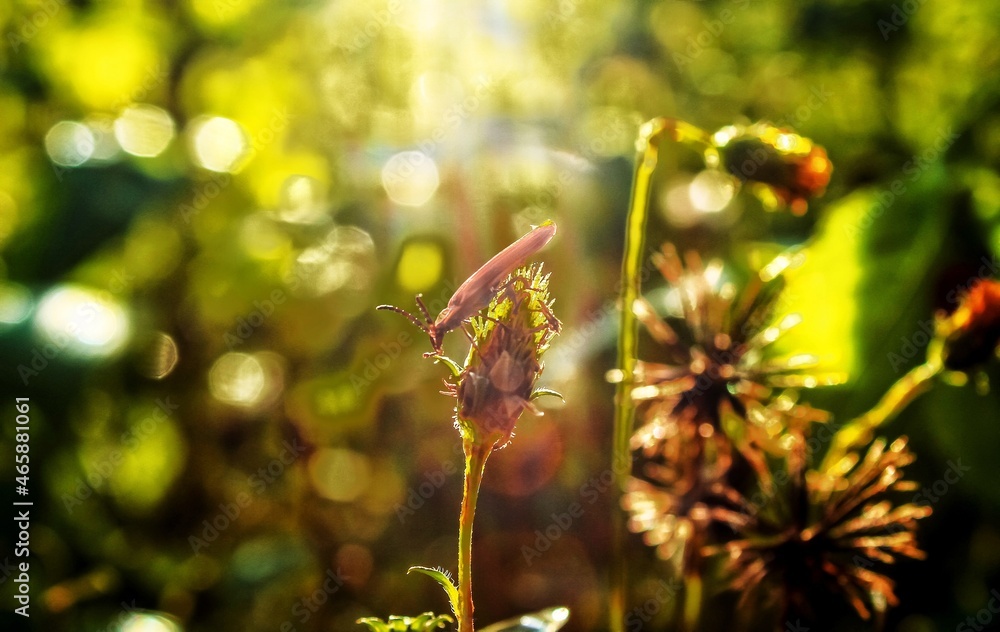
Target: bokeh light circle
69 143
410 178
237 378
82 322
340 474
711 190
148 622
246 380
159 357
144 130
218 144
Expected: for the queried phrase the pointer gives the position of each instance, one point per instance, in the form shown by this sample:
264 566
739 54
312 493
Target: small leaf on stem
444 580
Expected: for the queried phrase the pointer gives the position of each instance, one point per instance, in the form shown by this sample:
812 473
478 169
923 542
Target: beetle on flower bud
475 293
497 382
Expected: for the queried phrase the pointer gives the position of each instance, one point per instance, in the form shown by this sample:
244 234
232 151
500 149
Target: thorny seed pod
848 529
497 382
714 352
711 404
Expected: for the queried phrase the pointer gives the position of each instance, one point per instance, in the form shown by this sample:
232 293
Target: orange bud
972 331
791 167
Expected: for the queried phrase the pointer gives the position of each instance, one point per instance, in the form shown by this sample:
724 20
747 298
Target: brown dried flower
716 364
711 403
838 526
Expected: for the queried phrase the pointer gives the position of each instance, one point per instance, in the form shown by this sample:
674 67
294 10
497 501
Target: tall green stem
635 235
476 454
692 602
647 146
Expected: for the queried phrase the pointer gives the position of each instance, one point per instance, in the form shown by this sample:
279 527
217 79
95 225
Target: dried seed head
716 401
497 383
850 529
715 349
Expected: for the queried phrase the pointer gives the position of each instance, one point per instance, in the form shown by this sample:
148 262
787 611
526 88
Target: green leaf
864 287
425 622
374 624
454 367
441 578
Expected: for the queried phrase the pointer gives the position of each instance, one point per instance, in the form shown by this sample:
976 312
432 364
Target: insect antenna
413 319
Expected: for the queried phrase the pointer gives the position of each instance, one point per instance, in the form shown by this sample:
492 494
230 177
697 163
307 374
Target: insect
475 293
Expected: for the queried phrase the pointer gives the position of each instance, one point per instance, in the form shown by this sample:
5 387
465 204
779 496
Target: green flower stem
647 146
859 432
476 454
692 602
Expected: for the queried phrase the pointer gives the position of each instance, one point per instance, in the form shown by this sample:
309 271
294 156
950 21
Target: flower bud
791 168
497 383
972 332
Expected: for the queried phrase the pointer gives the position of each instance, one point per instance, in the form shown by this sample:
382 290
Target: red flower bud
972 331
777 161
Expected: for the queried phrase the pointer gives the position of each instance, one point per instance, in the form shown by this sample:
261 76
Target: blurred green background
202 202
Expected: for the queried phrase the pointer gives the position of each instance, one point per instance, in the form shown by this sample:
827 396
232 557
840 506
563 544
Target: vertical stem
475 461
635 234
692 602
647 146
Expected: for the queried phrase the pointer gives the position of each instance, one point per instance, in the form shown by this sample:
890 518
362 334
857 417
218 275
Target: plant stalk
476 454
647 146
859 431
692 602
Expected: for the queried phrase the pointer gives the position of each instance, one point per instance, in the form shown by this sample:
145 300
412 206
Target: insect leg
426 326
423 308
553 322
436 335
